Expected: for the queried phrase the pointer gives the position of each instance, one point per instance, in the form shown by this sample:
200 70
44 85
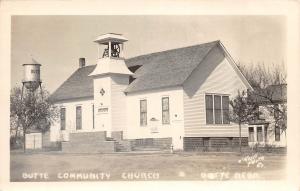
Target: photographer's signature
253 160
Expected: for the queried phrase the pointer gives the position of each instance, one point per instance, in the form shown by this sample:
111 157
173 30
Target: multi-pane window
217 109
62 118
277 133
251 134
165 110
259 134
143 112
78 118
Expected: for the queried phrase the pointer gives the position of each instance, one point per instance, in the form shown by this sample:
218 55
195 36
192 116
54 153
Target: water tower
31 79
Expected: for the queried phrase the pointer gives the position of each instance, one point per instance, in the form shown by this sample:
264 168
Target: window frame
252 133
65 111
210 109
213 108
261 134
78 127
218 120
143 112
228 110
165 110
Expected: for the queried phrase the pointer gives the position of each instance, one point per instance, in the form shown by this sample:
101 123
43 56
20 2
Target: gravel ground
57 166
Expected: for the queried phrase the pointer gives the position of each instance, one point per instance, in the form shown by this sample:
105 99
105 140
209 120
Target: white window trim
81 108
213 100
142 99
161 99
63 107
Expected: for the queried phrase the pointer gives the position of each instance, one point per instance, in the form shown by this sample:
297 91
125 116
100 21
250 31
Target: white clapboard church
177 99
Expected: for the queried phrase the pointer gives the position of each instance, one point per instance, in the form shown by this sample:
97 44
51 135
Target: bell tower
111 60
111 77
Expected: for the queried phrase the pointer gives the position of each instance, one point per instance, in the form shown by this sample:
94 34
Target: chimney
81 62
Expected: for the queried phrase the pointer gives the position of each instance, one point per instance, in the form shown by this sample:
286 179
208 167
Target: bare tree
34 111
243 110
261 76
269 85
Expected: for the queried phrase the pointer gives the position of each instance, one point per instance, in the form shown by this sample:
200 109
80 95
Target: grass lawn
56 166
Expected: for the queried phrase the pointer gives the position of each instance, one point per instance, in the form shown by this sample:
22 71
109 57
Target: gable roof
167 68
156 70
272 93
78 85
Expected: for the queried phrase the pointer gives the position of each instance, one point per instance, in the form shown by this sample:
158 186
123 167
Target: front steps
98 142
94 142
89 142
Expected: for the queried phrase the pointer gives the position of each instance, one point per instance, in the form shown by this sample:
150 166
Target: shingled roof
162 69
167 68
78 85
272 93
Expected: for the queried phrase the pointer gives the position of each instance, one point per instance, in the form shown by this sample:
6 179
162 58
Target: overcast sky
57 42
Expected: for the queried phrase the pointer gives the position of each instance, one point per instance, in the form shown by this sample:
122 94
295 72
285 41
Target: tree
262 76
243 110
269 85
34 111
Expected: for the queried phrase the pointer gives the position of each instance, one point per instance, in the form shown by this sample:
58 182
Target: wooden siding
214 143
214 75
118 102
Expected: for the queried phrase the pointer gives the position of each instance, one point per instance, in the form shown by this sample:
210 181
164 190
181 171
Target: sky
57 42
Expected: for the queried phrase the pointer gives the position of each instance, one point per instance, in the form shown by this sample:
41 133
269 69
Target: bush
16 142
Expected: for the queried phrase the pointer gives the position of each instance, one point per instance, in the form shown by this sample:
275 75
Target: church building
175 99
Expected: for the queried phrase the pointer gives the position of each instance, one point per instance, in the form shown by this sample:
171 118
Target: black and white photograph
131 98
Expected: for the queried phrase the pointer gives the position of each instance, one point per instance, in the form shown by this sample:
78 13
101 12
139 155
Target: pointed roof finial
34 61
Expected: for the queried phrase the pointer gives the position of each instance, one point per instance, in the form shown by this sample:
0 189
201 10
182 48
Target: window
277 133
217 109
78 118
266 133
225 107
143 112
259 134
165 110
251 134
62 118
209 109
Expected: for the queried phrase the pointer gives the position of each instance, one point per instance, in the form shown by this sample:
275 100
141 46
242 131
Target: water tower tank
32 75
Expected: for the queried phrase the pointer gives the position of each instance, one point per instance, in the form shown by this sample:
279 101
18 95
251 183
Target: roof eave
151 89
56 101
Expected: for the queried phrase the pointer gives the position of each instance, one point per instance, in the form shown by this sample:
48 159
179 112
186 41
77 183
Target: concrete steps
89 142
98 147
98 142
123 147
94 142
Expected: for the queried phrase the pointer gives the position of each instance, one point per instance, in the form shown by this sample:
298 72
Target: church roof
157 70
78 85
167 68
